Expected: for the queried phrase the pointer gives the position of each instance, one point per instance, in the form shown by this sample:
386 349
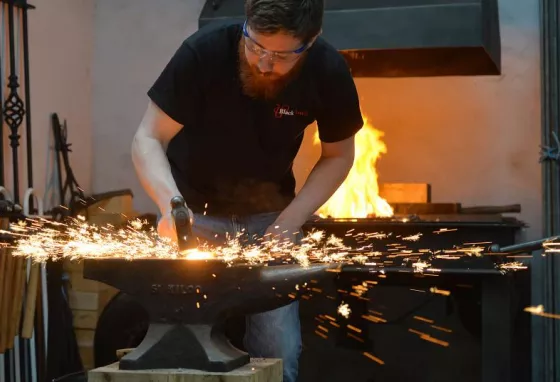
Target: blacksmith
225 120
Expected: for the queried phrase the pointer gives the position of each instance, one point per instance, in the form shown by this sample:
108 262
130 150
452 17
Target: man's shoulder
329 59
214 37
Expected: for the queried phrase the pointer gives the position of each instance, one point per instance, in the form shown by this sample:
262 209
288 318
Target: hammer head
183 227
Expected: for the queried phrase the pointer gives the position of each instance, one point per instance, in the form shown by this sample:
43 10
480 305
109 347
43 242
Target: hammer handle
30 301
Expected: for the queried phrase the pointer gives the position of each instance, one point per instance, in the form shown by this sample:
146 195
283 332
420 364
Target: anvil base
185 346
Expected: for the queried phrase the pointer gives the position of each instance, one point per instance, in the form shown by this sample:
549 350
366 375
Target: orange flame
358 196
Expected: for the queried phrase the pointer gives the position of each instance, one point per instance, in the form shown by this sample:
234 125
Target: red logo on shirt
286 110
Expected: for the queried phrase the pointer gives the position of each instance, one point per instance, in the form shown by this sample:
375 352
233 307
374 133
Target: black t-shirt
234 154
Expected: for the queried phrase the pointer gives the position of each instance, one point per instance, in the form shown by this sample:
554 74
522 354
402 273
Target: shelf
19 4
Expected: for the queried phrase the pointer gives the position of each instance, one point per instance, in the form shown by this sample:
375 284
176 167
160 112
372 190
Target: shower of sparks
420 266
76 239
429 338
42 240
344 310
412 237
424 319
539 311
443 292
513 265
472 251
444 230
552 246
374 358
360 290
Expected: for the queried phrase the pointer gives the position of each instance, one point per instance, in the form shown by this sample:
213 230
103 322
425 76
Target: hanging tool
183 224
70 192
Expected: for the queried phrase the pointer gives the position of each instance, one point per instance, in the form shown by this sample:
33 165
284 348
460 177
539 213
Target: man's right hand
166 226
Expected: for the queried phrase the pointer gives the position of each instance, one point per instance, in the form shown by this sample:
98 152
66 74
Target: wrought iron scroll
14 109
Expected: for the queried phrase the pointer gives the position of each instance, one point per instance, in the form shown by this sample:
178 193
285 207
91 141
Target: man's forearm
152 166
323 181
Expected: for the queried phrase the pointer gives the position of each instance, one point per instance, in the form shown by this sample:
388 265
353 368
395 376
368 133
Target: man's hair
302 19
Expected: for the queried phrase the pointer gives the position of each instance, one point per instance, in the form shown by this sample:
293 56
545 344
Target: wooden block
84 319
258 370
426 208
73 266
405 192
79 284
116 204
86 355
84 337
104 219
105 296
122 352
83 300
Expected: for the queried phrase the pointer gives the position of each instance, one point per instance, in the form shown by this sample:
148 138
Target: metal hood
402 38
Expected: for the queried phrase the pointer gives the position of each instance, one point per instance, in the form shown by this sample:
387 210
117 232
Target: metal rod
554 98
45 305
29 152
17 363
12 365
521 247
450 271
28 131
33 356
2 368
2 71
25 342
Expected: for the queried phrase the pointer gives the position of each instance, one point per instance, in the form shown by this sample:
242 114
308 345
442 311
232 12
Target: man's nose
265 64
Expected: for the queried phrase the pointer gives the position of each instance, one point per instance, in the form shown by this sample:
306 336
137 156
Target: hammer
183 226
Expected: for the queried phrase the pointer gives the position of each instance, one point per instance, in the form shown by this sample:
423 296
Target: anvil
188 302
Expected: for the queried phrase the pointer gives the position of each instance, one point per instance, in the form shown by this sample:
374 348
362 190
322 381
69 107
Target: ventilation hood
402 38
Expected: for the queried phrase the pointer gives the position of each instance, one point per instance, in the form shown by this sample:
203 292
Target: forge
188 302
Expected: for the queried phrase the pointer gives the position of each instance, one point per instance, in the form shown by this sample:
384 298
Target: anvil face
201 291
187 299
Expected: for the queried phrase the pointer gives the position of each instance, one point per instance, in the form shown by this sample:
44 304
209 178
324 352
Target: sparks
76 239
420 266
344 310
539 311
412 237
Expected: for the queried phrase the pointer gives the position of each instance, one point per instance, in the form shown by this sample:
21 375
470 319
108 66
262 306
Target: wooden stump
258 370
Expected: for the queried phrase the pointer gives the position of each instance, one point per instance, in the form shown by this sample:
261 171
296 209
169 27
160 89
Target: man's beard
264 85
